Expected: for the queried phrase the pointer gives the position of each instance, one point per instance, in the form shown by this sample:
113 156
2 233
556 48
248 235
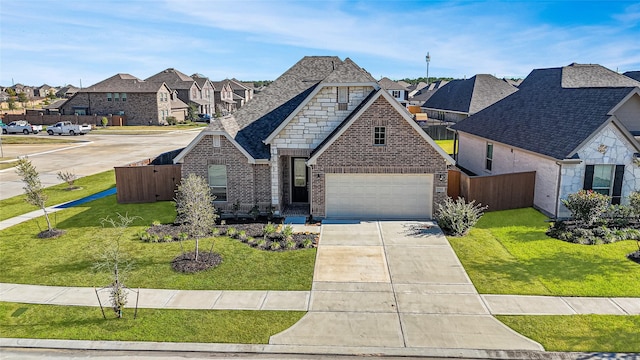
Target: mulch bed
54 233
186 263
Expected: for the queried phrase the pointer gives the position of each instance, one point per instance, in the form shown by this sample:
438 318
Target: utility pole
428 58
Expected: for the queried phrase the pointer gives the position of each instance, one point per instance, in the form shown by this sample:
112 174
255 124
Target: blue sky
60 42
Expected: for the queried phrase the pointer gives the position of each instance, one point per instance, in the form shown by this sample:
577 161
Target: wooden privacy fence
149 183
499 192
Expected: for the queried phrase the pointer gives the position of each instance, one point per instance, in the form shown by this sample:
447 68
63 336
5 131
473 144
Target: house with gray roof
67 91
395 89
242 93
196 90
224 98
635 75
142 102
573 125
325 140
458 99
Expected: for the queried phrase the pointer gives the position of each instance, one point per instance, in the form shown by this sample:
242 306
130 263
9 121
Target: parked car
204 117
66 127
16 127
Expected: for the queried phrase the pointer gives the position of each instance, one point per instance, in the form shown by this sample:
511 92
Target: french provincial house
573 125
142 102
323 139
458 99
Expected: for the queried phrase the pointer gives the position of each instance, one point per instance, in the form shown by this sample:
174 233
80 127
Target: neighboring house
397 91
142 102
225 104
513 82
422 92
573 125
54 107
322 140
44 91
635 75
67 91
244 93
207 94
458 99
27 90
185 88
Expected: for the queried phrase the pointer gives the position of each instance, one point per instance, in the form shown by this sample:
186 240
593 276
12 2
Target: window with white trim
395 93
116 96
123 96
379 135
216 141
603 179
218 181
488 165
343 97
108 96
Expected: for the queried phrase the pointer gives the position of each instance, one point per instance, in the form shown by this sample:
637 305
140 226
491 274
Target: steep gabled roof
546 118
348 72
200 80
389 84
471 95
174 79
237 85
123 83
589 75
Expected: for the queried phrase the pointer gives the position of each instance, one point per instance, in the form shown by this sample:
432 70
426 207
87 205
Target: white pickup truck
66 127
16 127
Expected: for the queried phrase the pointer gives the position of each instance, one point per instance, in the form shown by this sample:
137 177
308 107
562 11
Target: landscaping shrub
634 203
587 205
456 217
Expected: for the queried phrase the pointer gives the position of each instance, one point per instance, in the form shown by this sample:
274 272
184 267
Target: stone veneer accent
406 152
311 125
140 108
247 183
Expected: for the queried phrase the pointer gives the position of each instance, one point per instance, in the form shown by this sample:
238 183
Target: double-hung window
116 96
123 96
218 181
379 135
488 165
108 96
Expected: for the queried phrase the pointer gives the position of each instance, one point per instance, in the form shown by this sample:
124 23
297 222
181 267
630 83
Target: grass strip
585 333
89 185
86 323
446 145
35 140
508 252
69 259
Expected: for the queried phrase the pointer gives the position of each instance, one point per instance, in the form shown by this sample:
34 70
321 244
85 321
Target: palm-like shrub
456 217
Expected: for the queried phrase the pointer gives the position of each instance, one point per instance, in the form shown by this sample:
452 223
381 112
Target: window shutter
588 177
617 185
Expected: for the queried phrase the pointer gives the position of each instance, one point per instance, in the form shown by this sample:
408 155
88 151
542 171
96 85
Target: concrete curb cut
307 350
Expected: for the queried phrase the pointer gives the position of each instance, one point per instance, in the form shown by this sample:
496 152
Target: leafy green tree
51 94
194 204
12 102
11 92
22 97
192 112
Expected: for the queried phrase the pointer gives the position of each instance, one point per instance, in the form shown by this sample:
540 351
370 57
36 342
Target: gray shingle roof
389 84
173 78
123 83
546 118
471 95
589 75
255 121
635 75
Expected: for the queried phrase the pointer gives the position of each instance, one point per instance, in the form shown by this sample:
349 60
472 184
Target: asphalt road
97 153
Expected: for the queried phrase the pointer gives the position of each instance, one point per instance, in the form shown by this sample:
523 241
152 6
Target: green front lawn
68 260
508 253
87 323
446 145
58 194
588 333
35 140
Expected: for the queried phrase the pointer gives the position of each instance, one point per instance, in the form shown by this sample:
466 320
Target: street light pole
428 58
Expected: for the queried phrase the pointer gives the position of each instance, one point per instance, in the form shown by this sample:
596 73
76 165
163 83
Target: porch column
275 180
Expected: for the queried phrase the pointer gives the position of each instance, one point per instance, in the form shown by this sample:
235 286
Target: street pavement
95 154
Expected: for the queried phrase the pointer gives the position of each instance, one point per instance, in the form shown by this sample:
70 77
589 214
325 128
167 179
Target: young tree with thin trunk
33 189
194 204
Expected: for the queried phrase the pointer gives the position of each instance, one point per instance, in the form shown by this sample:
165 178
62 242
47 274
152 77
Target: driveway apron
395 284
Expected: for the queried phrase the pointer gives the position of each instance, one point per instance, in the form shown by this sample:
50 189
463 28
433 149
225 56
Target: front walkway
395 285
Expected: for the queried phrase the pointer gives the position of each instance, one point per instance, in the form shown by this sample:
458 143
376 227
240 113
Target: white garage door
379 196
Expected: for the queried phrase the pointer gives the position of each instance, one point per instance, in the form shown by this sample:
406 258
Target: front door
299 178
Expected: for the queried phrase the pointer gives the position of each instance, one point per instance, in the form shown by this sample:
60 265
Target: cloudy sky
73 41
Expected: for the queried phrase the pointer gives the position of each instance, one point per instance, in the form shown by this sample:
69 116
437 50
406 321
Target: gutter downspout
558 188
455 146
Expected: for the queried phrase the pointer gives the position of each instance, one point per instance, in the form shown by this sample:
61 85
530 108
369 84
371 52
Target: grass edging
582 333
167 325
89 185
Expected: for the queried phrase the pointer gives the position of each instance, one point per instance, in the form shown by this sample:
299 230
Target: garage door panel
380 196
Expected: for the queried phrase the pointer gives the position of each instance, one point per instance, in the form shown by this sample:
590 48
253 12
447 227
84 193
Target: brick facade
406 152
139 108
247 183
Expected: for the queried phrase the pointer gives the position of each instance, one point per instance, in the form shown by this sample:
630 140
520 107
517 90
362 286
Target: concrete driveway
96 153
395 284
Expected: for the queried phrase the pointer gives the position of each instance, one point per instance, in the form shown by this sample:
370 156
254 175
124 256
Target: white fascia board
204 133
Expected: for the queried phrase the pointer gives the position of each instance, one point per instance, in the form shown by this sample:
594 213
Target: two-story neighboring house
458 99
207 93
184 87
67 91
224 97
572 125
44 91
142 102
242 93
323 139
396 90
